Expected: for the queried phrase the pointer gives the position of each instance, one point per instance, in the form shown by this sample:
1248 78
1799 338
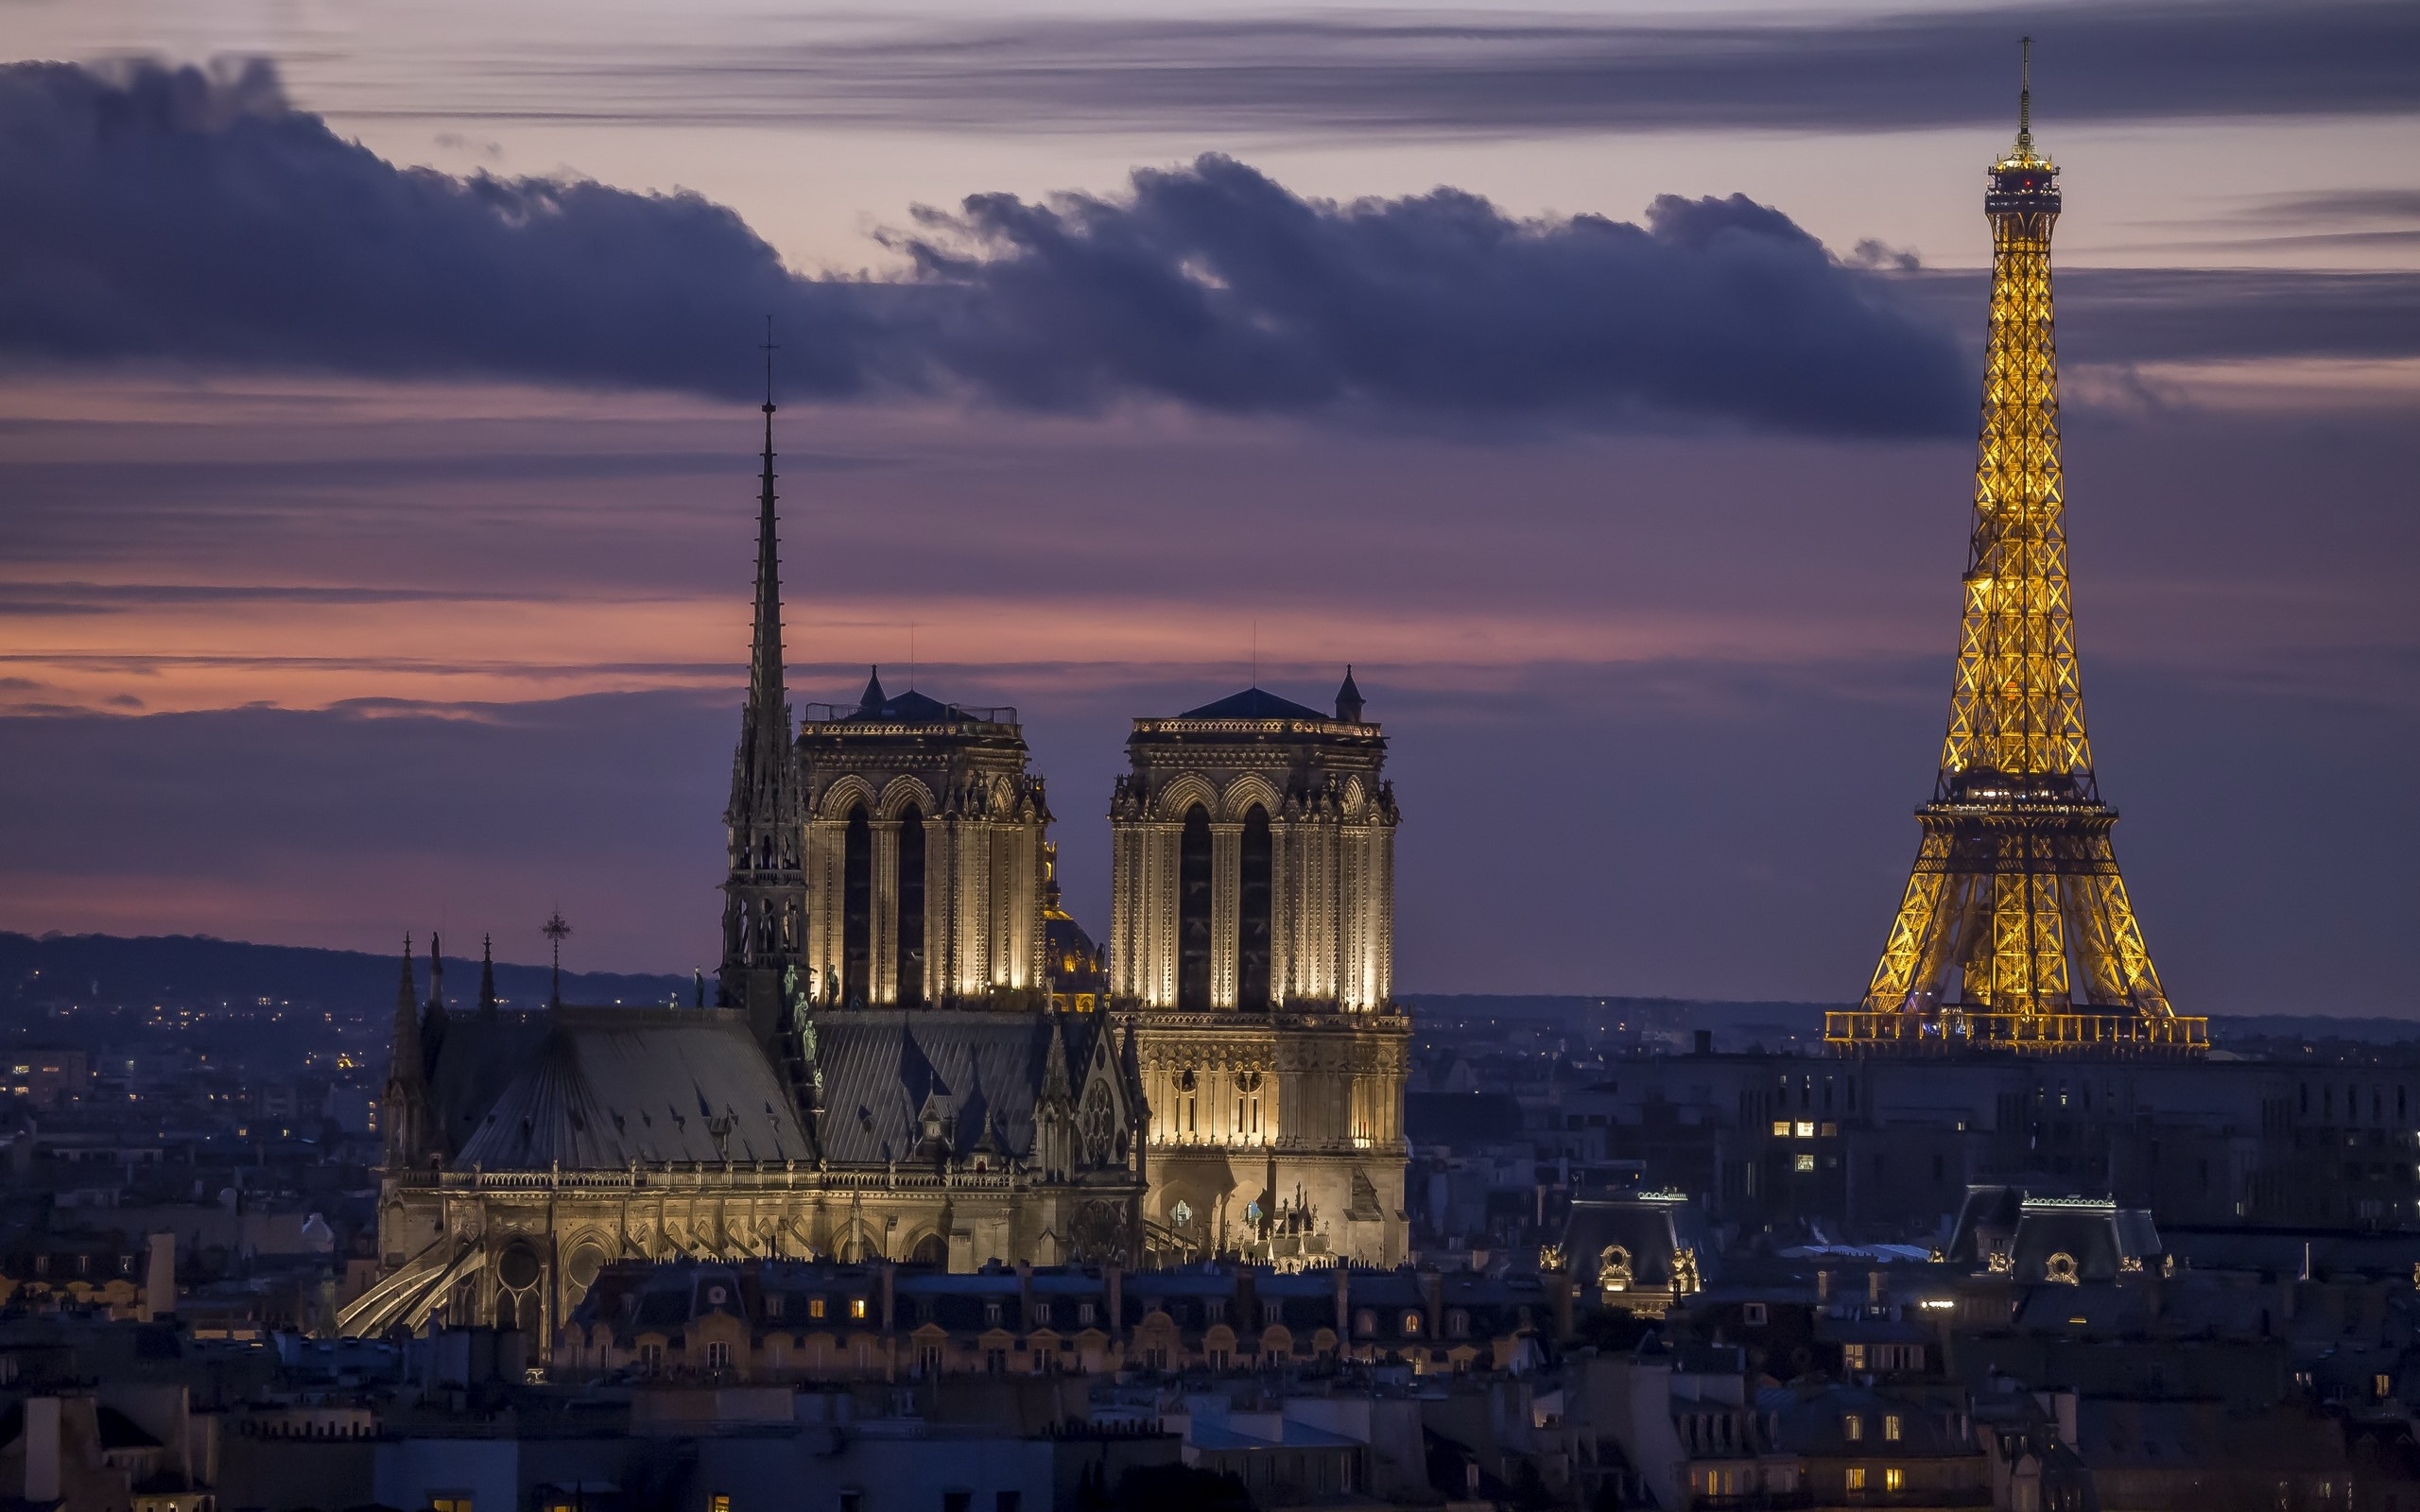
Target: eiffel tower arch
2016 930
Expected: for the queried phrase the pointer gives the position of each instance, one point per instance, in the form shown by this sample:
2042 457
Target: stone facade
1252 940
924 854
916 1056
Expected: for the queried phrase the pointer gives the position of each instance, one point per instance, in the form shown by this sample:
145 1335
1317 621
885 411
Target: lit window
1852 1358
1893 1478
1410 1324
856 1307
1805 1130
1852 1427
1857 1477
1831 1131
717 1503
814 1307
2385 1385
1804 1163
449 1504
1890 1427
1781 1129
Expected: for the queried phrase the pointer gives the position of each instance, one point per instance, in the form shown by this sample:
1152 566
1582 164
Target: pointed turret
872 697
406 1098
1055 1084
433 1024
487 976
407 1061
1348 700
765 896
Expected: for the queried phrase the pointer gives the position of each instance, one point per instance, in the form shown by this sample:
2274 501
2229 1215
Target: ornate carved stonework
1251 941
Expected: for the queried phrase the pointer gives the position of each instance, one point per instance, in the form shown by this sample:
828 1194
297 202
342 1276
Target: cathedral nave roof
612 1086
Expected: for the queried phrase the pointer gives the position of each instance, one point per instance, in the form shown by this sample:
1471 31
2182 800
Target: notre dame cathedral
915 1054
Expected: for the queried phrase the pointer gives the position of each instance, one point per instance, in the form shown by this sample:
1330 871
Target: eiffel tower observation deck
2016 931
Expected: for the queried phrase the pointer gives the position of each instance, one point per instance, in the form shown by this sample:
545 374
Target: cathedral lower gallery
913 1053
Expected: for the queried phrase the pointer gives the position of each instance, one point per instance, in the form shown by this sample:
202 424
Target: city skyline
1660 650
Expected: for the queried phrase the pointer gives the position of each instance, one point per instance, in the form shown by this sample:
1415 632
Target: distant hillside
1742 1022
196 969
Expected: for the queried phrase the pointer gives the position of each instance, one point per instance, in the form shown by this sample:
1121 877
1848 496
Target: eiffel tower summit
2016 931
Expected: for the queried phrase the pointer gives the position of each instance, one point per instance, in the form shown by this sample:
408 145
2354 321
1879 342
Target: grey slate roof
1252 703
880 1066
475 1060
610 1086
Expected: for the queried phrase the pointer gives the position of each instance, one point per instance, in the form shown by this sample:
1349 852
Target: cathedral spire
767 690
765 894
487 975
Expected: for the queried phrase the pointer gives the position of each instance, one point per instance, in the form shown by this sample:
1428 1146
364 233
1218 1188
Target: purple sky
376 540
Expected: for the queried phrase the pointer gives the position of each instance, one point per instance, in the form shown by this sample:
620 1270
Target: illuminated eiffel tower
2016 930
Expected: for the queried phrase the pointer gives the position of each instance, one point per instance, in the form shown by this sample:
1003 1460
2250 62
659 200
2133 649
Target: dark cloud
2371 217
2134 314
1478 73
44 598
2342 205
174 214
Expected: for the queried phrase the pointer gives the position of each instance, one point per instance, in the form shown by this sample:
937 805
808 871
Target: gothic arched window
911 907
1193 913
1099 1126
1251 912
856 909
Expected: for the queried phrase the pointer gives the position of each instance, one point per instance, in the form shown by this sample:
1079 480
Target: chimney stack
42 1451
160 1279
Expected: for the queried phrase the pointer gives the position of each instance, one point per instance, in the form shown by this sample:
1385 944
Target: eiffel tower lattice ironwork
2015 929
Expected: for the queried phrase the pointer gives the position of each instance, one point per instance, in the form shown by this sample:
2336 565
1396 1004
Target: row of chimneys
1432 1298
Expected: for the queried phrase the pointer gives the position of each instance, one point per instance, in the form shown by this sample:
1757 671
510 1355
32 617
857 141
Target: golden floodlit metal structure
2016 931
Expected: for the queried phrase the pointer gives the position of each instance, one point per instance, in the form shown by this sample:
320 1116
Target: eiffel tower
2016 931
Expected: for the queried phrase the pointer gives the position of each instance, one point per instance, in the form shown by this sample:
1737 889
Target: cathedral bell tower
925 841
765 896
1252 947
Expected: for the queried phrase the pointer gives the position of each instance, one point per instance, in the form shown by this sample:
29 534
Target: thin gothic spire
765 680
763 894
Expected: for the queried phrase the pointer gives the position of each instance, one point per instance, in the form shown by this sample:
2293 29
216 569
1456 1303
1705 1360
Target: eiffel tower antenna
2016 930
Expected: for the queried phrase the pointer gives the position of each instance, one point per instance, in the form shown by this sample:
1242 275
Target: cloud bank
1476 72
169 214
